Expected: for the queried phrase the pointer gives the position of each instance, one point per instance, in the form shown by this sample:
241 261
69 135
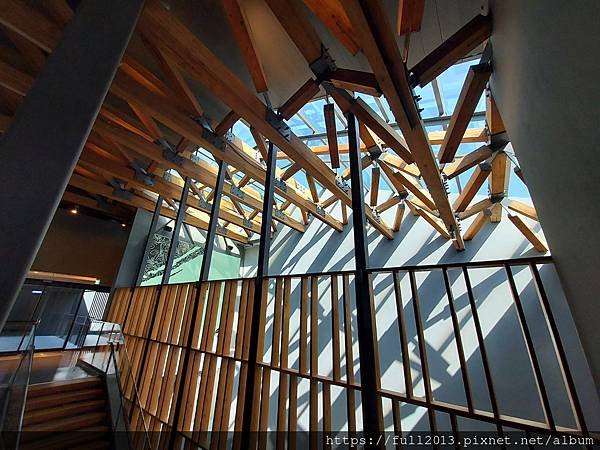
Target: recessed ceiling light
73 210
37 292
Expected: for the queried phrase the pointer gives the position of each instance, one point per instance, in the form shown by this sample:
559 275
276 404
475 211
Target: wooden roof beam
498 182
452 50
313 188
492 115
355 80
469 136
159 186
398 217
243 38
398 179
144 203
480 174
204 66
393 200
410 16
176 80
260 143
121 213
475 226
227 123
470 94
431 220
468 161
201 172
301 97
333 16
529 234
523 208
371 120
374 191
379 45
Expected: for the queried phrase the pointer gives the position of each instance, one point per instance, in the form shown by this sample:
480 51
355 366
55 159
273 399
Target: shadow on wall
513 379
321 249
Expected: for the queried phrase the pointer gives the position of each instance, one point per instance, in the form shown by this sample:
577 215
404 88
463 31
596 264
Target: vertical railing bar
179 218
403 337
433 428
421 337
349 353
397 419
480 339
459 343
454 426
533 360
560 350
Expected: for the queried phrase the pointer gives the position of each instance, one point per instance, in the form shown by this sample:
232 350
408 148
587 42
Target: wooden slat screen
308 367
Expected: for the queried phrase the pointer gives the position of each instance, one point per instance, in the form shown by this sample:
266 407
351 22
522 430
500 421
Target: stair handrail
115 340
26 352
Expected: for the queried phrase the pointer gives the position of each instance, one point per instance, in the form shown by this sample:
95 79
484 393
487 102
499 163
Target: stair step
70 423
89 438
32 417
63 398
54 387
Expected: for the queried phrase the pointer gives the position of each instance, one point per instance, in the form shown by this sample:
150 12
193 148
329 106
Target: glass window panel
188 255
158 251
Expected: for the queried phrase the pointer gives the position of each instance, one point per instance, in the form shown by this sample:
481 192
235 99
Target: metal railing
109 355
13 387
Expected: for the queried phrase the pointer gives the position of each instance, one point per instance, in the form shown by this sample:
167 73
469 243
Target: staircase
68 414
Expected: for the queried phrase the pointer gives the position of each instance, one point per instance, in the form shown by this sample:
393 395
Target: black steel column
176 229
213 222
365 316
204 272
42 146
144 260
261 272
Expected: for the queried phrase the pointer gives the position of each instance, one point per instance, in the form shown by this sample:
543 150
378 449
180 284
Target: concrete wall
134 250
545 82
82 245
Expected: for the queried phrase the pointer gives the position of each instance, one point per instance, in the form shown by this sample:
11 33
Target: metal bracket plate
497 198
323 66
218 141
280 184
237 192
277 122
278 213
320 211
203 121
342 184
170 153
376 215
222 230
374 152
202 203
248 223
119 192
